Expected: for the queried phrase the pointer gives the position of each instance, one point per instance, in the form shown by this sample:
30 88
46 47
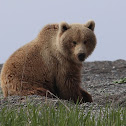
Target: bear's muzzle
81 56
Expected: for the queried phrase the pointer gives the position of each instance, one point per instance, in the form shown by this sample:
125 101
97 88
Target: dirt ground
97 79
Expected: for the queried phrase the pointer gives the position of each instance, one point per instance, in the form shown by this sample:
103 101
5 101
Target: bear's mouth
81 57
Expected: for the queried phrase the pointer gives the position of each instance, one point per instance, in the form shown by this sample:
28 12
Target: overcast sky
21 20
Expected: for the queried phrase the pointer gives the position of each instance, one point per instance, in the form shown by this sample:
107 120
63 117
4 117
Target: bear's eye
85 42
74 42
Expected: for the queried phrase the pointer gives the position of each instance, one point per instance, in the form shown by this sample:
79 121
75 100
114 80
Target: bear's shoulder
51 27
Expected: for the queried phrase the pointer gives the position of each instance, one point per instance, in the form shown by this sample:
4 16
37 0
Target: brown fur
50 62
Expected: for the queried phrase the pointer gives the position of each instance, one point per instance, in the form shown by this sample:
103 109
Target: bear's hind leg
16 87
34 90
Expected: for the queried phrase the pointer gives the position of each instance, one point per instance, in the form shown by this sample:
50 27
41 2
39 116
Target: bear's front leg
86 97
71 90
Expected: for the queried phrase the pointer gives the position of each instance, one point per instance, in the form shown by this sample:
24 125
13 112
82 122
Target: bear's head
76 41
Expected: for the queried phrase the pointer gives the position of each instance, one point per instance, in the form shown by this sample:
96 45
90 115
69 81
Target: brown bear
51 62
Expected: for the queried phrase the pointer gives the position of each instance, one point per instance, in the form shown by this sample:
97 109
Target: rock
1 66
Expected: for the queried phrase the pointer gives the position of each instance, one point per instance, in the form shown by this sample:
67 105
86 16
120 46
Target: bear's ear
90 24
63 26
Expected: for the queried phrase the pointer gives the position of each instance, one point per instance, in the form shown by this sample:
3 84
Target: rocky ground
97 78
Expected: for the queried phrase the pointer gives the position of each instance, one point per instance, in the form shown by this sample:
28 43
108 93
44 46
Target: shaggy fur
50 62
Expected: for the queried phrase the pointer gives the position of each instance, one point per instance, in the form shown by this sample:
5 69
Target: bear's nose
81 56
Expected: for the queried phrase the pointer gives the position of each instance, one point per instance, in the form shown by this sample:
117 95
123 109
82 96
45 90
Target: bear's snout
81 56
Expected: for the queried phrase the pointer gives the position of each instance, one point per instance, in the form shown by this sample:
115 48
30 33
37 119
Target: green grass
121 81
61 116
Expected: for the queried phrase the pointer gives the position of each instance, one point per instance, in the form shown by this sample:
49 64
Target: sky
21 21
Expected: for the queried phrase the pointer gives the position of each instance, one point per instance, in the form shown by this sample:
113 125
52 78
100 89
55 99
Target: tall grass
44 115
